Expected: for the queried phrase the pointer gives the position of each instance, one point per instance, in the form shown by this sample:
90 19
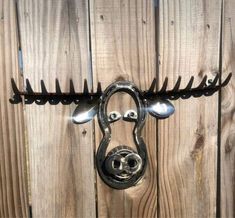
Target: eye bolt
130 115
114 116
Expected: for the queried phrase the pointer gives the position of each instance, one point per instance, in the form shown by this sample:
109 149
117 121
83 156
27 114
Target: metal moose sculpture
122 167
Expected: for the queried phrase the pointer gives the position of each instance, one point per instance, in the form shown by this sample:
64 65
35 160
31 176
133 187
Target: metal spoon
160 108
85 111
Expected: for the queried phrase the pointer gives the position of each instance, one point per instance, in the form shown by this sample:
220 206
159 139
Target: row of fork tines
52 97
206 87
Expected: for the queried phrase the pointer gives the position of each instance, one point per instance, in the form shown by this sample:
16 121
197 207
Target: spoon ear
85 111
160 108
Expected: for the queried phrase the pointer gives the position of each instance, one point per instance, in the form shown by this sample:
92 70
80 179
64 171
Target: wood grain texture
189 46
13 177
123 48
228 114
55 45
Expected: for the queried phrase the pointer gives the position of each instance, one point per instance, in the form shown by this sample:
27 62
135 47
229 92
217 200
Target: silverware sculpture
122 167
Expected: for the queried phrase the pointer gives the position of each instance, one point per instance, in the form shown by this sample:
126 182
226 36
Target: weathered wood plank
13 177
189 46
228 114
55 45
123 48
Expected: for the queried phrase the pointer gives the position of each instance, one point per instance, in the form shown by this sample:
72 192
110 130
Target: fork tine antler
68 97
29 87
17 94
188 91
177 84
152 86
226 81
52 97
71 87
99 89
164 86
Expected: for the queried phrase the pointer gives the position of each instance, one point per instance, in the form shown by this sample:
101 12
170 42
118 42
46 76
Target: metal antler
53 98
188 91
68 97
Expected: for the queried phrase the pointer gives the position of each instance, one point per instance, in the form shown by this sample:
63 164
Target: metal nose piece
123 162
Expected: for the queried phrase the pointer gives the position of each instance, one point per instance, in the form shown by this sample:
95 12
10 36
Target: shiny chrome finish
85 111
160 108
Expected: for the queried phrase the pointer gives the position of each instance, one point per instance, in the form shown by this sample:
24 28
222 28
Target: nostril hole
116 164
132 114
132 163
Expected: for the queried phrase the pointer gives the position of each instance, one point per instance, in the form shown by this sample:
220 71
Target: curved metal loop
115 181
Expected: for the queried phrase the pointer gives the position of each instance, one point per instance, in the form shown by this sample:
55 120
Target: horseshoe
116 178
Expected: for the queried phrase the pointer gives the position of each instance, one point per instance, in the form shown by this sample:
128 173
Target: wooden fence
47 162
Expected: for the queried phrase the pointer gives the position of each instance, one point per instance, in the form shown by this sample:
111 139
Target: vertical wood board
228 114
189 38
55 44
13 177
123 48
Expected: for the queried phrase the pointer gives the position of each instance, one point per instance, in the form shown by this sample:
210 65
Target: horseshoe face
122 167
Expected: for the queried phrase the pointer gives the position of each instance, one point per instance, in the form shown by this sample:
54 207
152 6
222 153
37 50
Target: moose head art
122 167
